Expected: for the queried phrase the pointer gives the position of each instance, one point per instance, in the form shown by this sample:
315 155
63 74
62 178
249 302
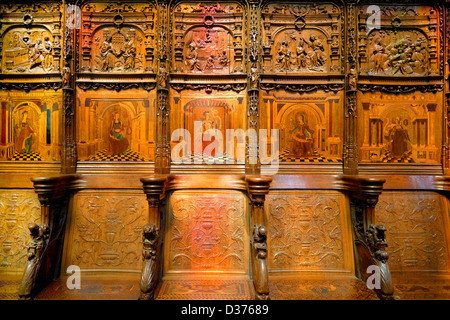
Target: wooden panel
207 233
17 209
106 229
416 230
308 231
206 290
400 128
115 127
31 126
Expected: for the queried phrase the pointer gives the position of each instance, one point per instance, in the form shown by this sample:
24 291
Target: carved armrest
369 239
45 248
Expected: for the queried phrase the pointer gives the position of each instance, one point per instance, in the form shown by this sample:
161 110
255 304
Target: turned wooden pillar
47 238
369 239
258 188
152 236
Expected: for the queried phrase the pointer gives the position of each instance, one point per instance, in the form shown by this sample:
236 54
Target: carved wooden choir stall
240 149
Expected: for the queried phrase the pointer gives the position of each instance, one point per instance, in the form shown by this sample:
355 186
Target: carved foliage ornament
305 231
206 232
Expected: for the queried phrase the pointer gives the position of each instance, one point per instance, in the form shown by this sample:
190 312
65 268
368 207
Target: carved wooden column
69 151
446 127
152 236
258 188
369 239
45 249
252 163
350 156
162 154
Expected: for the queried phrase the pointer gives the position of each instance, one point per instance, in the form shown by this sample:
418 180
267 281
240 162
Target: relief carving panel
106 231
208 38
306 231
117 37
207 232
31 38
29 51
301 38
405 44
415 230
17 209
398 53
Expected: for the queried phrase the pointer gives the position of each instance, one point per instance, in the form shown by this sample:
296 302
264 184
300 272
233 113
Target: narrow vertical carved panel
254 45
106 231
17 209
307 231
416 231
207 232
350 156
162 155
69 150
446 131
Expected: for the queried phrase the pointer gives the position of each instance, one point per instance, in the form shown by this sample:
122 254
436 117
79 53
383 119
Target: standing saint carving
283 58
317 55
129 54
301 54
379 57
107 56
